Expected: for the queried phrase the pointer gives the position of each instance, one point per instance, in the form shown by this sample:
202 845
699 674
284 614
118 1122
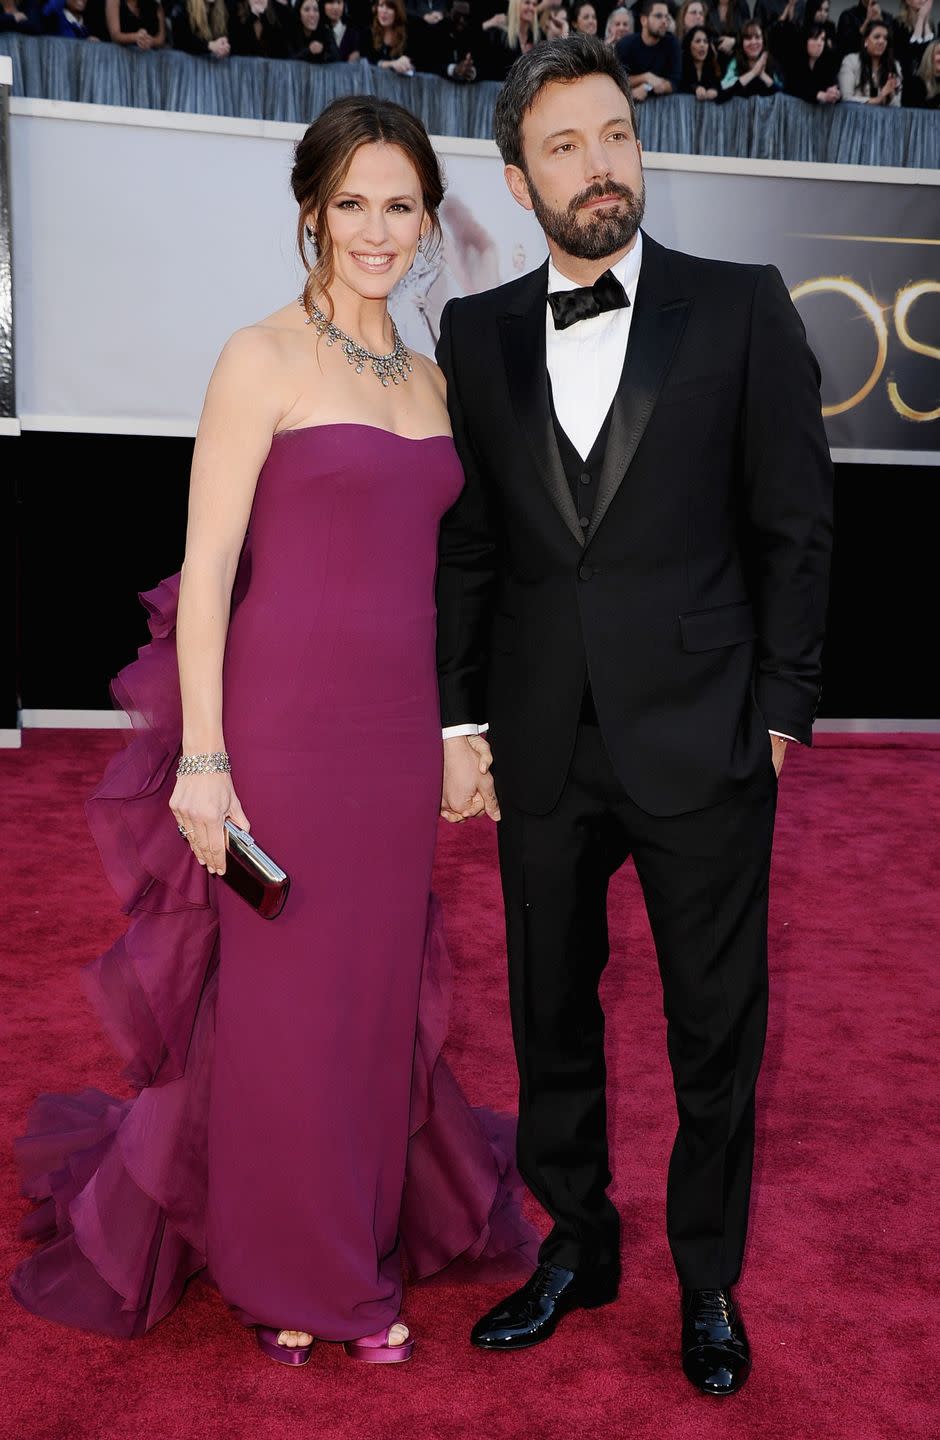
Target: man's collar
627 270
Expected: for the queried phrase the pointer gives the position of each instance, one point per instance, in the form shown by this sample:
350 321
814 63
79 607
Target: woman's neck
365 320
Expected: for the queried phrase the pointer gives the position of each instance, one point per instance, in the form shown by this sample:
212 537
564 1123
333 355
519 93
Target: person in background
257 29
912 32
923 93
65 19
583 18
691 14
751 71
818 13
136 22
428 38
306 42
17 20
701 73
785 36
342 41
201 27
461 45
510 35
767 11
853 21
652 59
553 20
873 76
619 24
813 76
725 18
389 38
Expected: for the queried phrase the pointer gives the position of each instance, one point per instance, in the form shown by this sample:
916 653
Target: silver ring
183 831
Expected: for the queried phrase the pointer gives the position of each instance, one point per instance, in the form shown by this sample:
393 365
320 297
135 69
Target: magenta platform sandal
375 1349
283 1354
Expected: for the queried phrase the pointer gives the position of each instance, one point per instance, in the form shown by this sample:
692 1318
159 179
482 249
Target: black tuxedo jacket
695 603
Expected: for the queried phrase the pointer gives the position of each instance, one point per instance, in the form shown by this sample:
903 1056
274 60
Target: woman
725 18
691 13
913 30
296 1131
200 27
619 24
701 75
390 37
307 42
819 14
510 35
342 42
873 76
258 29
813 77
751 71
136 22
583 18
925 86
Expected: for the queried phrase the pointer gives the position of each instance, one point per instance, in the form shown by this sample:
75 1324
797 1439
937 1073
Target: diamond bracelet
204 764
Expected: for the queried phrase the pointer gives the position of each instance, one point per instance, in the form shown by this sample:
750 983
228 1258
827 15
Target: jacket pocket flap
724 625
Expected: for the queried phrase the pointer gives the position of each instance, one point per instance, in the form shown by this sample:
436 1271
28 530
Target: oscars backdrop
141 240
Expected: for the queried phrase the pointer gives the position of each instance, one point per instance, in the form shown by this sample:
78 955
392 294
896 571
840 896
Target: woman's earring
421 245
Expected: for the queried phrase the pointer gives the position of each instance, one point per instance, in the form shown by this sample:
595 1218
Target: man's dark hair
551 62
648 6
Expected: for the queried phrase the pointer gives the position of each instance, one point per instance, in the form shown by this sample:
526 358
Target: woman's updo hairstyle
323 157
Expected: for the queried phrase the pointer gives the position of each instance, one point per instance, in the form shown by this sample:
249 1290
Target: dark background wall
90 520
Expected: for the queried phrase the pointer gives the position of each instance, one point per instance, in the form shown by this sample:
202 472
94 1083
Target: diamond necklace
394 366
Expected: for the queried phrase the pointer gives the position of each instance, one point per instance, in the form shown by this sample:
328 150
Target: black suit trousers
704 877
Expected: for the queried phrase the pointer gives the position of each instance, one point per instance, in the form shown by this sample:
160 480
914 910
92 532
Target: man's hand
468 786
778 748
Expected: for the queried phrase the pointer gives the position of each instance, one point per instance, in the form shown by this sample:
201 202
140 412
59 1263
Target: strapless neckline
359 425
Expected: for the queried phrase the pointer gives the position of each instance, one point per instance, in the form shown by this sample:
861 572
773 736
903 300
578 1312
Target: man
632 601
653 58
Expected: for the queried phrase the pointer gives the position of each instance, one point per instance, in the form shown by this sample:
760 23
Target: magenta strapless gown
295 1132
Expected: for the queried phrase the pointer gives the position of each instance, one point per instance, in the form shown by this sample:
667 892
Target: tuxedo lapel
659 318
522 336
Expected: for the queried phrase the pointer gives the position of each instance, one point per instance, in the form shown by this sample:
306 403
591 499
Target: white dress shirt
585 362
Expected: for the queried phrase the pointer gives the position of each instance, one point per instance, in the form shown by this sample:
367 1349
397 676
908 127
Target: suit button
585 478
584 522
585 571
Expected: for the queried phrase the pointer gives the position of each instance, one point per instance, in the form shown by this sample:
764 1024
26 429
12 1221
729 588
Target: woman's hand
199 804
220 48
495 22
315 47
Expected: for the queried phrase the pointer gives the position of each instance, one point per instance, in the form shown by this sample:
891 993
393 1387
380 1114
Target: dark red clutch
252 874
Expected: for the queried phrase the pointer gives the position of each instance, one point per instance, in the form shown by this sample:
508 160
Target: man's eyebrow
617 120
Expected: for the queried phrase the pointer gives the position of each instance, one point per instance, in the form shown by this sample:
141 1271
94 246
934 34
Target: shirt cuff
450 732
780 736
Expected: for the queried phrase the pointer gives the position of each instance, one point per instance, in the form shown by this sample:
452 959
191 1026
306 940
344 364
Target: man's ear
519 186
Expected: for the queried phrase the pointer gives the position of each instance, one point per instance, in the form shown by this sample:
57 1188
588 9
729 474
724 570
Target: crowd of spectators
711 49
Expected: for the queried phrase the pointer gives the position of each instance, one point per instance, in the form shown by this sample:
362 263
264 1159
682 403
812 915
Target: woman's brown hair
399 28
324 155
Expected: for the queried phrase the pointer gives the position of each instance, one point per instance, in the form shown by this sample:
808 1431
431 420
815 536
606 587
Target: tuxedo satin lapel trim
522 335
655 331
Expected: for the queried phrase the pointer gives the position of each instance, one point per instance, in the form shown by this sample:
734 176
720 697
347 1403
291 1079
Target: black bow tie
570 306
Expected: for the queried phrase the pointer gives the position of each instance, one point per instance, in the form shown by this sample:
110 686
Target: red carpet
841 1286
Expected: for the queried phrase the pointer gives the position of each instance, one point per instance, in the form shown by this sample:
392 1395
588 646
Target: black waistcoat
583 475
583 479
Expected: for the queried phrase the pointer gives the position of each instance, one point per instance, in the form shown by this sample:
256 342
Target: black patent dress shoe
532 1314
716 1355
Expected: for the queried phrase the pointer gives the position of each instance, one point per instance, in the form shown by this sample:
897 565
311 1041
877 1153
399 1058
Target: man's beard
604 233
